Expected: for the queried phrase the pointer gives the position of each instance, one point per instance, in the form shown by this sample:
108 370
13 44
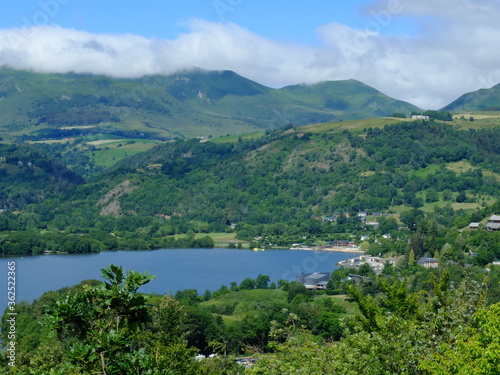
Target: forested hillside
289 183
289 175
28 176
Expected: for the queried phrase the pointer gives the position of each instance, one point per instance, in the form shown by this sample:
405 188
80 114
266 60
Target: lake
175 269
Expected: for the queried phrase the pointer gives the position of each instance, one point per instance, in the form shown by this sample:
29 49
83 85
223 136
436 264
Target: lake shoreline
175 269
333 250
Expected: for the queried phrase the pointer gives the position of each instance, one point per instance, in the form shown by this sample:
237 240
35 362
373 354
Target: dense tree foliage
281 187
434 322
400 333
27 176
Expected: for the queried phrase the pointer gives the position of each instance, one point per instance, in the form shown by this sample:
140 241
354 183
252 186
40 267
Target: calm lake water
175 269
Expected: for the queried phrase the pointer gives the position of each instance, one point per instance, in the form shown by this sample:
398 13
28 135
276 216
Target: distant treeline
34 243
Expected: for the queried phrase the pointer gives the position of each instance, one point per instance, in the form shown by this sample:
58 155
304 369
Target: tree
431 195
366 270
411 218
296 288
398 300
461 197
327 325
283 284
387 224
475 352
187 296
262 282
247 284
105 320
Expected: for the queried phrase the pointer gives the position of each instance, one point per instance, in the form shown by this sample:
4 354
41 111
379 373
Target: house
493 223
492 226
316 280
377 264
343 243
474 225
340 243
495 219
419 117
428 262
358 279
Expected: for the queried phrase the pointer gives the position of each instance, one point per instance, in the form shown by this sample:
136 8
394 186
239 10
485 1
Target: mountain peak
480 100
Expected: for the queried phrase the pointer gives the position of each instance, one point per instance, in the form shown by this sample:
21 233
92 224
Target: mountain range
188 104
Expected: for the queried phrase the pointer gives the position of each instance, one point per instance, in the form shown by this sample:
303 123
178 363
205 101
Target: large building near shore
316 280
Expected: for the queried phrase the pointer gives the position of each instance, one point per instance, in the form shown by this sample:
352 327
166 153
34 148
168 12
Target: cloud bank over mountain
454 51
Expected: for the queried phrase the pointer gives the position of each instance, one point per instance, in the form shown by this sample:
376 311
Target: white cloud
455 52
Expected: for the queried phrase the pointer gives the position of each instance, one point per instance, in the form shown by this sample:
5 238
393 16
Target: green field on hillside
112 150
353 125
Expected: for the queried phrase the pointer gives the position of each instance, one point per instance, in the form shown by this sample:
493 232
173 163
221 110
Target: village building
492 226
343 243
495 219
474 225
377 264
493 223
358 279
428 262
316 280
362 215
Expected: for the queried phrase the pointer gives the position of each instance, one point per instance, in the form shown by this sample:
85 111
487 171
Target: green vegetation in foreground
433 322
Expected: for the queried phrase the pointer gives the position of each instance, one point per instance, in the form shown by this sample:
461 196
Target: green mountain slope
347 98
289 175
183 105
480 100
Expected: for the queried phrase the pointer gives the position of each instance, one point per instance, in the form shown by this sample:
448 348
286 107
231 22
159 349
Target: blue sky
425 52
293 21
